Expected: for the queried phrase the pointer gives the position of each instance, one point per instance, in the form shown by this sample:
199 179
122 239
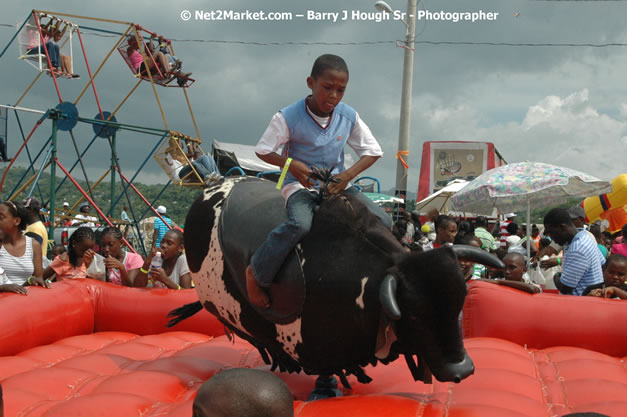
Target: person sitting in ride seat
34 42
204 165
154 58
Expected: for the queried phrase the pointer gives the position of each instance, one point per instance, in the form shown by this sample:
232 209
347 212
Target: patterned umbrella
524 185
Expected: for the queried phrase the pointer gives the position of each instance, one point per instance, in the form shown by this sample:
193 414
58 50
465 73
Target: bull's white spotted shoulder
289 336
208 280
360 298
222 187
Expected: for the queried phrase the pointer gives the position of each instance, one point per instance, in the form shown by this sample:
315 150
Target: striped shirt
582 263
18 268
504 234
161 229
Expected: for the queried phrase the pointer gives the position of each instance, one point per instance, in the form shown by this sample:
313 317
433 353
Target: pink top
131 261
619 248
136 59
65 270
32 39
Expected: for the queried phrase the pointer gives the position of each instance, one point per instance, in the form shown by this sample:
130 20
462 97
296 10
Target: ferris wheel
50 43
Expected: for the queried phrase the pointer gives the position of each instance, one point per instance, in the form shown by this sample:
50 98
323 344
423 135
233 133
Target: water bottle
157 262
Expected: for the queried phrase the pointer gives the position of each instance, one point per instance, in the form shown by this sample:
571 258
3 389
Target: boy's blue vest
314 145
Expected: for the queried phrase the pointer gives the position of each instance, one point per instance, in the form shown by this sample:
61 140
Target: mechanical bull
348 296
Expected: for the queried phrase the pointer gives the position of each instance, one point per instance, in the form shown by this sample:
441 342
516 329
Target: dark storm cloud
483 91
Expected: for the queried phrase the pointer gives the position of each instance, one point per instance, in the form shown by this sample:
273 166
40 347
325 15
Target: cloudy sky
565 105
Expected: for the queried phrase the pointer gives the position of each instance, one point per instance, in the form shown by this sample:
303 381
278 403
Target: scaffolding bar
14 36
75 16
91 79
100 67
37 124
50 67
144 199
125 188
6 106
91 202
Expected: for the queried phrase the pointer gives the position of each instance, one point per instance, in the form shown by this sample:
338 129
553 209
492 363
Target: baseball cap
510 215
66 204
161 210
576 211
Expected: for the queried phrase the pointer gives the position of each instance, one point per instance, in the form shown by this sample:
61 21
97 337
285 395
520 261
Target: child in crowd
20 256
55 251
122 266
445 232
79 256
470 269
175 273
614 278
621 247
312 132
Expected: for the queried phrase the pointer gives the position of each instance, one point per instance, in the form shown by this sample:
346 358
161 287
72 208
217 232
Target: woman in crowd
74 263
175 273
20 256
122 266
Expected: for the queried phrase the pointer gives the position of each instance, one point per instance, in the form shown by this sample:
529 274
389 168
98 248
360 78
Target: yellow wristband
28 280
143 270
179 287
286 167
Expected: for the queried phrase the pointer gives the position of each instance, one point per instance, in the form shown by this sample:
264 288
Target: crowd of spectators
563 254
28 257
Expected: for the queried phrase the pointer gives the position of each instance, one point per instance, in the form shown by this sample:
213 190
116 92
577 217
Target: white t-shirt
89 220
180 269
277 134
174 165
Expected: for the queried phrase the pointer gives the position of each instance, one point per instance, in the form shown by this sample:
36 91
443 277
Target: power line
391 42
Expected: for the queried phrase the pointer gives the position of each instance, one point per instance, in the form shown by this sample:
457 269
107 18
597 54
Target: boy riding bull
313 132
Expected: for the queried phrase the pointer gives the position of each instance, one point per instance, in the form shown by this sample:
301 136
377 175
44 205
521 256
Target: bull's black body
345 260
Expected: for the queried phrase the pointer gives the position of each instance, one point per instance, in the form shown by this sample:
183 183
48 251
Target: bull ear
477 255
387 297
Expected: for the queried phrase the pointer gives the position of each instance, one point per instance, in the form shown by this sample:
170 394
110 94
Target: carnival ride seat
90 348
367 184
29 38
171 157
158 74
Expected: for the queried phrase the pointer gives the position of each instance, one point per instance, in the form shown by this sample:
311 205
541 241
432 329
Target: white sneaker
212 178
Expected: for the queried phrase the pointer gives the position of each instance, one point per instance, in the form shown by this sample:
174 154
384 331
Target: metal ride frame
65 116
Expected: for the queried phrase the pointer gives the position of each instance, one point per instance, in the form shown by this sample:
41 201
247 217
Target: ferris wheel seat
33 57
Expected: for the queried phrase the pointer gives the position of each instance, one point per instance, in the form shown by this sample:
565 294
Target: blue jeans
204 165
269 257
53 52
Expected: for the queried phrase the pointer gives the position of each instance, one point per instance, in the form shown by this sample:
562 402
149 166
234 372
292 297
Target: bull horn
477 255
387 297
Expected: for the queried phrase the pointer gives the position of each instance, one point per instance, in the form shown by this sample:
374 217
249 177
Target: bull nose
456 371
